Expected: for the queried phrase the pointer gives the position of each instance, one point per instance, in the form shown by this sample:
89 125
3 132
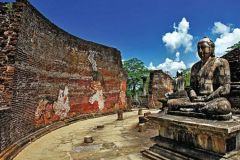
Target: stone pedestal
182 137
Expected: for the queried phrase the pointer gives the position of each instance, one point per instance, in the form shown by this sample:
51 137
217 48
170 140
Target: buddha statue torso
208 77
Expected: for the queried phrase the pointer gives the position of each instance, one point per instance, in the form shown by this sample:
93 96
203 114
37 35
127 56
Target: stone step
172 155
153 156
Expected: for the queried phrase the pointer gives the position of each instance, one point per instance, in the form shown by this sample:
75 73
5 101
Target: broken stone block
147 114
100 126
142 119
88 139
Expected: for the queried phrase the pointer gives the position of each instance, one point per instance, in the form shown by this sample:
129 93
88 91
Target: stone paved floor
118 140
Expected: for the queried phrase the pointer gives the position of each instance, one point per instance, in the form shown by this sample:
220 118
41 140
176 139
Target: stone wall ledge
213 126
2 109
10 152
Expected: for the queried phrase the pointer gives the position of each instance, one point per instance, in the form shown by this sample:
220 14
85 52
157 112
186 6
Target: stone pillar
144 79
120 115
140 112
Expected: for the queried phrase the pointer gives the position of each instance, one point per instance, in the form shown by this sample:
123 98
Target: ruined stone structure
160 83
48 75
233 58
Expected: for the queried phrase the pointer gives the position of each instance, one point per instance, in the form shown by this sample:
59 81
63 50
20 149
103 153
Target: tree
186 76
237 45
137 72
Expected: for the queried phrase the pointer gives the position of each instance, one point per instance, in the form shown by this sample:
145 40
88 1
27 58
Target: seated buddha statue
209 87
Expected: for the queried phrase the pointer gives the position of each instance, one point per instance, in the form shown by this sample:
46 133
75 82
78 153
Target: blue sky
161 32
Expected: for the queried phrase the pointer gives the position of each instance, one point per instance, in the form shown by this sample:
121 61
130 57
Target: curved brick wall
48 75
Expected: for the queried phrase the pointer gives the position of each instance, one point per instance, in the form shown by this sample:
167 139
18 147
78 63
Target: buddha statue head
206 49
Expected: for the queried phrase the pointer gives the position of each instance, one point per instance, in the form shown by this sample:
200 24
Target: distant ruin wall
233 58
160 83
48 75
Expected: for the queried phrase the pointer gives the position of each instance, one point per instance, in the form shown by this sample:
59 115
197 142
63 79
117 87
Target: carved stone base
235 110
167 149
183 138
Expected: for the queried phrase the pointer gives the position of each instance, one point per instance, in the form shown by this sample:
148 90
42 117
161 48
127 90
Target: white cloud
177 56
179 37
227 37
220 28
151 66
171 66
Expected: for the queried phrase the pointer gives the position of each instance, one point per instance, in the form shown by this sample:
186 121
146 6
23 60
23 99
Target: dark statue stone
209 87
181 136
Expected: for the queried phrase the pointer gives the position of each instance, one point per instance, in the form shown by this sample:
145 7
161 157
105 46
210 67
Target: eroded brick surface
160 84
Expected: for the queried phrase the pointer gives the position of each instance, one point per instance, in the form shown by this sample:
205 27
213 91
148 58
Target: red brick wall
9 30
51 75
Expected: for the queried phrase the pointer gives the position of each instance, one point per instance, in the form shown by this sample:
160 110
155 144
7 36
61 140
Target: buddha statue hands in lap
209 87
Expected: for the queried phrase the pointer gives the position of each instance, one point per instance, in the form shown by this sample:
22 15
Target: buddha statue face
205 49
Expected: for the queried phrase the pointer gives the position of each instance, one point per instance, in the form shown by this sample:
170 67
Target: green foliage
136 71
237 45
9 7
186 76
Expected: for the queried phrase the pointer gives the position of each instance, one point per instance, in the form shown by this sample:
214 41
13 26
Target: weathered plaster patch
61 106
98 95
122 94
91 57
48 111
